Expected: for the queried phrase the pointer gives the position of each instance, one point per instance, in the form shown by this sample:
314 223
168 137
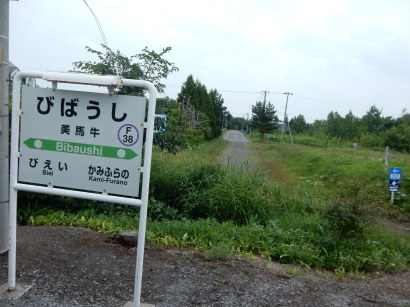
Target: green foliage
170 136
264 118
237 123
190 208
370 131
220 111
238 196
346 218
198 188
165 105
159 211
306 245
371 141
373 121
299 124
398 138
148 65
194 97
220 251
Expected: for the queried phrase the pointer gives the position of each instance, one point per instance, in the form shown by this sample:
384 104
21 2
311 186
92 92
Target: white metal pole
145 188
15 124
4 124
392 198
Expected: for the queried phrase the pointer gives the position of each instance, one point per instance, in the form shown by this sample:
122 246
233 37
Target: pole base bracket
11 295
132 304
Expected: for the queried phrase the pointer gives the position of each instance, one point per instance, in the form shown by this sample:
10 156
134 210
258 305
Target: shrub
348 215
371 140
220 251
346 218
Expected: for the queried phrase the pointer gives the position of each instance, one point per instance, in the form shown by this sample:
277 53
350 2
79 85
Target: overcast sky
334 55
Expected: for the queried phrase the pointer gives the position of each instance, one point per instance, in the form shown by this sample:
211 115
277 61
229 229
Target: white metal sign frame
110 82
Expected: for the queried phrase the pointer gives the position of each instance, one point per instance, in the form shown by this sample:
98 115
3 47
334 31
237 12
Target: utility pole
285 118
264 98
4 125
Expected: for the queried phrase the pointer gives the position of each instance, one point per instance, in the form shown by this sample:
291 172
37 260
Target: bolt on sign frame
111 82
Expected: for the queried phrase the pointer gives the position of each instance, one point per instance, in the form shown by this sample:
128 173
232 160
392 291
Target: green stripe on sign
81 149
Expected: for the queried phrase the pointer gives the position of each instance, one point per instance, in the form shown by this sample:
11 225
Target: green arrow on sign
81 149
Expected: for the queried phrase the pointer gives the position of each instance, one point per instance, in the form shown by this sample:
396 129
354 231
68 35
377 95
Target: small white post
386 160
392 198
12 239
15 123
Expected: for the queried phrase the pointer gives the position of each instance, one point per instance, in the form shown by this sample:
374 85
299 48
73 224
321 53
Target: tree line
198 114
370 130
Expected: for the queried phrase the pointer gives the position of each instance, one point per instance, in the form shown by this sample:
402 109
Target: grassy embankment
318 208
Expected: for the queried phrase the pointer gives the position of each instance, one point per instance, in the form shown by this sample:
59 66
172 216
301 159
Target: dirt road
79 267
236 153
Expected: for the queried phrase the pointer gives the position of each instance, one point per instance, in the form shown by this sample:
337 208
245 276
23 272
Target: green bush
346 219
238 197
174 179
349 215
398 138
220 251
371 141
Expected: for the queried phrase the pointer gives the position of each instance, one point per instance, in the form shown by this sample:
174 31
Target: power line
234 91
98 24
324 102
239 92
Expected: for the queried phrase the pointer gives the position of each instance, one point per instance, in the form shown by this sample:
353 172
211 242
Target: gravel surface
236 153
80 267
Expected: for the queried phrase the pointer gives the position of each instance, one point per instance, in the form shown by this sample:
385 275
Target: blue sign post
394 181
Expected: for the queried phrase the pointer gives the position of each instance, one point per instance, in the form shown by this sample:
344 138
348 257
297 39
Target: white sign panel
81 140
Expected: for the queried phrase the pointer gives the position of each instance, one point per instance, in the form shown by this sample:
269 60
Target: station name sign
81 140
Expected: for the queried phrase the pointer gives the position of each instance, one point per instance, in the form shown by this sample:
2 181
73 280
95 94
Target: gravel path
236 153
80 267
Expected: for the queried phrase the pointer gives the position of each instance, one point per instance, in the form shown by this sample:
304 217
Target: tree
318 127
398 137
264 118
165 105
219 109
169 137
298 124
208 105
147 65
350 127
404 119
334 124
372 121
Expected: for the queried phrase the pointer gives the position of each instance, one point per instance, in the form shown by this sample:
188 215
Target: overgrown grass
308 244
199 203
326 172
